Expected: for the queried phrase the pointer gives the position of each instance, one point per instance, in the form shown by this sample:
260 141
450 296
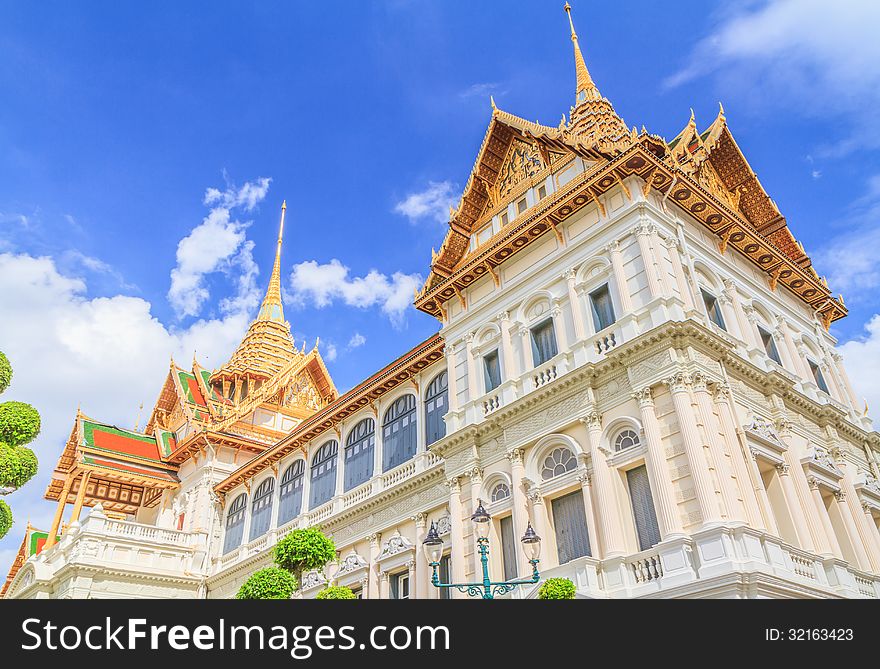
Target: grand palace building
633 356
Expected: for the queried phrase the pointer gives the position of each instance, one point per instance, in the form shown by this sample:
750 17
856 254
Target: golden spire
272 308
586 89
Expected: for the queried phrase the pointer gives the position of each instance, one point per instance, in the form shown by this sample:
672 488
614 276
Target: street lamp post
487 588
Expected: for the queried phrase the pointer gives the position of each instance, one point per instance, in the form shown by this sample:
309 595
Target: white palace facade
633 356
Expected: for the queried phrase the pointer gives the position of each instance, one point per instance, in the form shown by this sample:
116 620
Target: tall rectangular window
818 377
543 342
769 345
443 572
492 370
602 308
570 521
643 507
508 548
713 309
400 585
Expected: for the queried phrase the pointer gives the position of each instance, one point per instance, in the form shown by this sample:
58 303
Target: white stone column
539 518
829 547
801 527
526 343
679 386
507 360
577 311
731 325
681 281
866 538
384 585
610 537
738 457
656 244
798 480
761 492
747 333
452 381
476 477
643 235
864 562
658 470
619 274
520 504
412 568
872 524
373 591
422 576
474 386
841 369
559 324
586 482
456 533
798 365
716 448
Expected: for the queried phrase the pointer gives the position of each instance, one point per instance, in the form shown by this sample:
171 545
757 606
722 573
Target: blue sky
117 118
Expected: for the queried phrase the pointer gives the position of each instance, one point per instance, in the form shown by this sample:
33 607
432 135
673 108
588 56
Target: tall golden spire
586 88
272 309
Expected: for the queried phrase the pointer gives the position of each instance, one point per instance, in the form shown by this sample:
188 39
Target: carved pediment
521 162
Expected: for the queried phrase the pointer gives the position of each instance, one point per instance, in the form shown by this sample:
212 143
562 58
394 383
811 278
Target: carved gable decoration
711 181
763 429
302 393
396 544
312 580
521 162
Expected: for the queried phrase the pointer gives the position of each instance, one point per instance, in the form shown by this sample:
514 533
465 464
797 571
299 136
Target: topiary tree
557 588
269 583
336 592
5 518
303 550
19 425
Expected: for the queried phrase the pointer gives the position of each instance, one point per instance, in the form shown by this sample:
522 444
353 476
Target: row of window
713 310
399 443
543 337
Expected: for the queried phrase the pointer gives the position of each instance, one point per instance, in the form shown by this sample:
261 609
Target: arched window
500 491
560 461
291 492
626 439
436 405
235 524
261 508
399 432
359 453
323 481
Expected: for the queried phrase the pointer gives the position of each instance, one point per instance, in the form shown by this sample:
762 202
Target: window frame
496 354
363 442
241 512
264 495
434 393
290 483
715 306
410 414
547 324
332 461
598 326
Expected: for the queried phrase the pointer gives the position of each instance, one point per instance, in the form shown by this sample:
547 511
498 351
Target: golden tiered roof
268 346
704 173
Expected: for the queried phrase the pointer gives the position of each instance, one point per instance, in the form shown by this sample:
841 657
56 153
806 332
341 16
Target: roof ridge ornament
586 88
272 308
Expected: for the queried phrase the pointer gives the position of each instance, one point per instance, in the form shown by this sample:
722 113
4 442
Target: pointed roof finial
492 102
586 89
272 308
720 110
692 120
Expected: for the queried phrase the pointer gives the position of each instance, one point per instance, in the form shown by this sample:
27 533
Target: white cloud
322 284
330 352
433 202
862 360
108 353
850 257
483 89
817 58
357 340
219 243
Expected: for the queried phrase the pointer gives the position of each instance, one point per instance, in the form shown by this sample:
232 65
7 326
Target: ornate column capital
678 382
420 519
454 485
753 453
783 469
570 275
502 316
840 495
535 495
671 243
374 538
592 419
813 482
701 382
644 228
476 475
867 508
729 284
783 425
612 246
584 478
721 391
644 397
724 298
515 456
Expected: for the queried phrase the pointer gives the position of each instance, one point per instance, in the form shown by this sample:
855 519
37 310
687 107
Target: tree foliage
304 550
557 588
336 592
269 583
18 465
5 518
19 423
5 372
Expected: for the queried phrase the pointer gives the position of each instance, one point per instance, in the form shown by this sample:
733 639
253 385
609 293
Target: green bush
5 372
269 583
19 423
556 588
304 550
336 592
5 518
18 465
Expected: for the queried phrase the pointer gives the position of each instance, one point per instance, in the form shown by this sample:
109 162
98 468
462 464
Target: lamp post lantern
487 588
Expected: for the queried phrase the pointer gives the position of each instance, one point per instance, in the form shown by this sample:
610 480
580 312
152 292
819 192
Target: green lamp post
487 589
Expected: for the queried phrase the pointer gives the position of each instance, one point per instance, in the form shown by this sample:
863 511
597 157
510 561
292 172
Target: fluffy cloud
323 283
247 196
108 354
433 202
862 360
817 58
357 340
